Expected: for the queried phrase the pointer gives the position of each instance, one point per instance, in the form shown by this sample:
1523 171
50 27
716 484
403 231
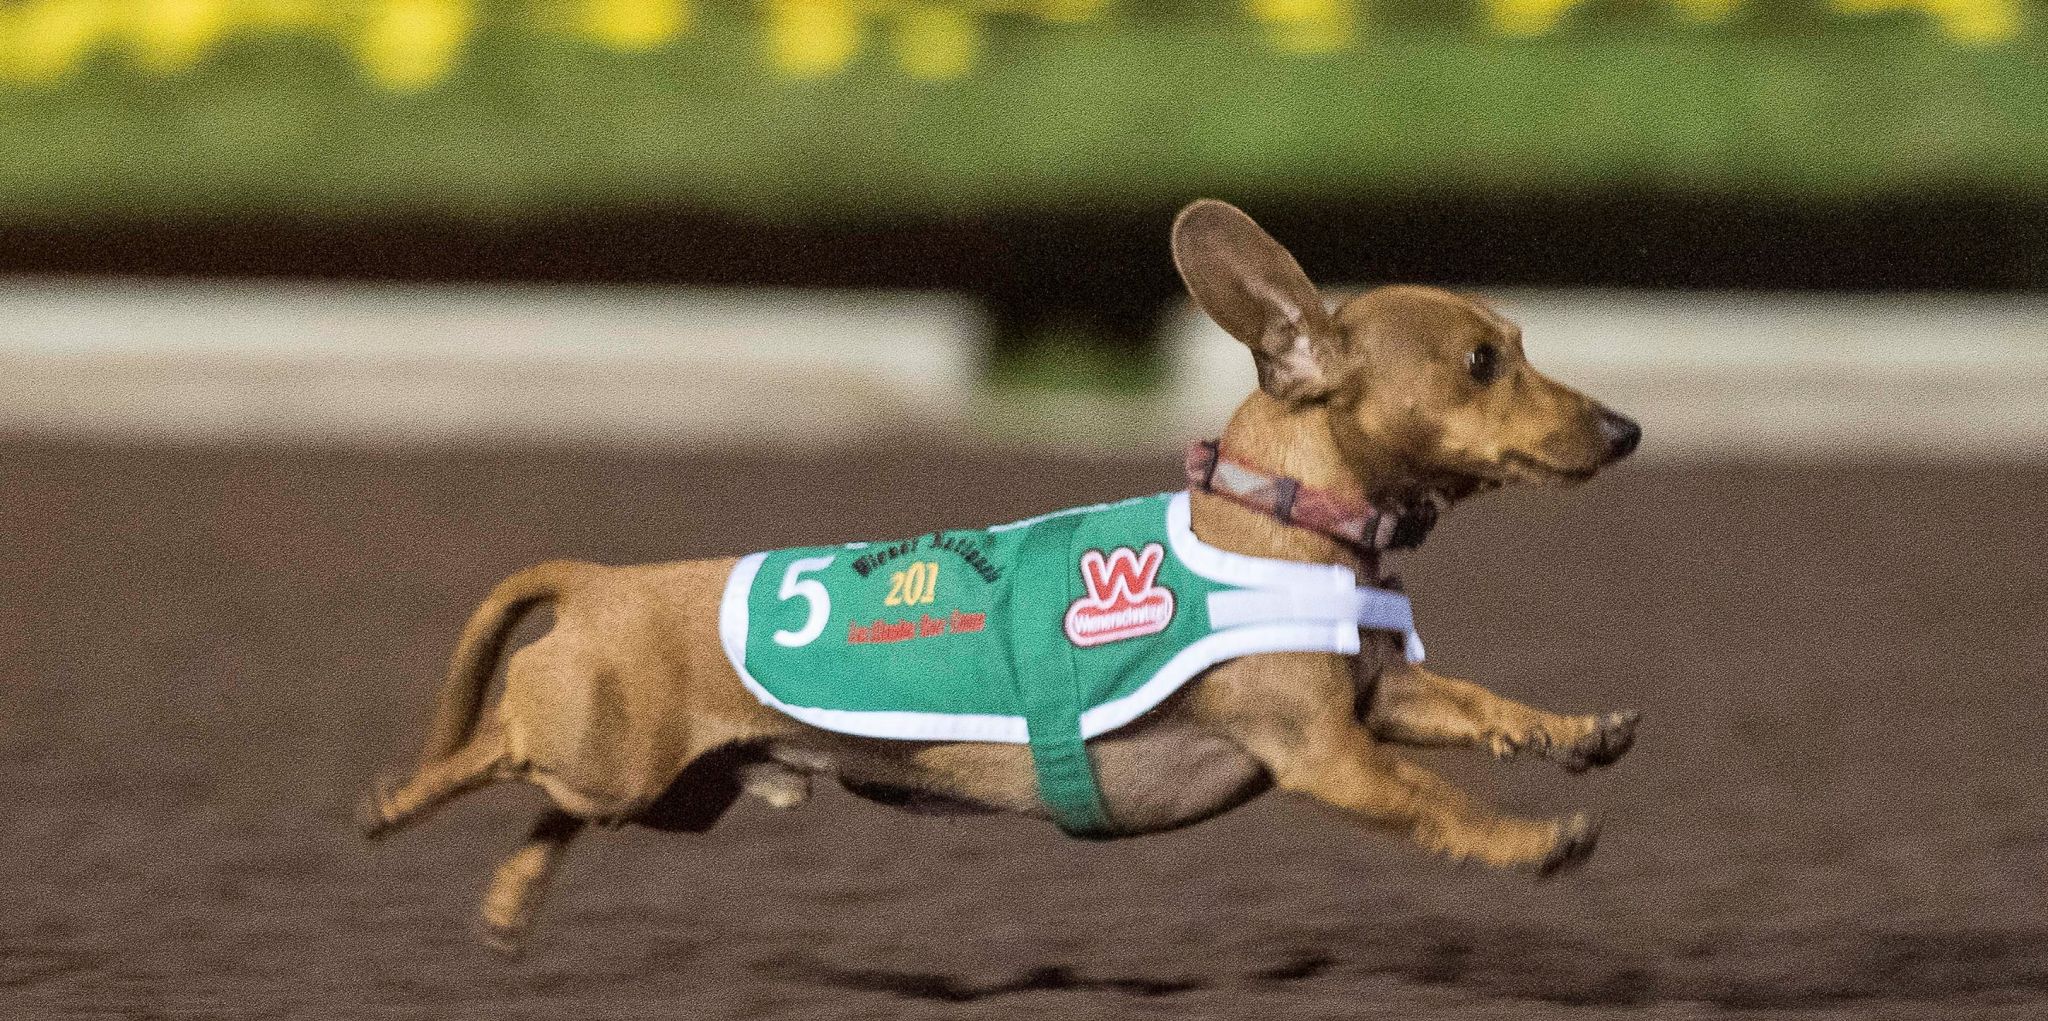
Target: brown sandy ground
1835 809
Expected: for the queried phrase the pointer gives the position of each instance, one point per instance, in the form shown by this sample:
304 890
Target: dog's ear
1256 291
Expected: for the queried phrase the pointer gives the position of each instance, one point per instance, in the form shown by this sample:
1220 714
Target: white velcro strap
1384 610
1374 609
1237 607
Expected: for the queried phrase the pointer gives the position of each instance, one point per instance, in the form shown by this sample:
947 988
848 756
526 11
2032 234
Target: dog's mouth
1525 467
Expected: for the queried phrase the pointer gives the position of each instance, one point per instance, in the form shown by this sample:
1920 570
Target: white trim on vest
1276 606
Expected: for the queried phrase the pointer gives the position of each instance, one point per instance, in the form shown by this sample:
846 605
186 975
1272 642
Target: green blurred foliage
807 108
1069 356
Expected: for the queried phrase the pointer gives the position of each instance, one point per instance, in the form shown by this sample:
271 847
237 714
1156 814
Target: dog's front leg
1413 705
1344 767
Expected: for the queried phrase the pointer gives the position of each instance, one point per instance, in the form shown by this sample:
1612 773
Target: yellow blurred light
49 38
936 42
812 37
634 24
1527 17
291 14
1968 21
169 35
1981 21
1307 26
1286 10
295 15
408 45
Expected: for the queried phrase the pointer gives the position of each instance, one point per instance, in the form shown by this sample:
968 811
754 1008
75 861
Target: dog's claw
1576 839
1610 739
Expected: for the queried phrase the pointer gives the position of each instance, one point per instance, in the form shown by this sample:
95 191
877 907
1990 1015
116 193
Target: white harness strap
1287 592
1374 609
1386 610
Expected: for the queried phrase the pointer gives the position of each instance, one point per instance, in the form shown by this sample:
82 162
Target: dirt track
1835 809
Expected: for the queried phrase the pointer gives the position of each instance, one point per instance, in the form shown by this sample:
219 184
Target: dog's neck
1298 444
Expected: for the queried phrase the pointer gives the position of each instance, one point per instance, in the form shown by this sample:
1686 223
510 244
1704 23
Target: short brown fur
627 710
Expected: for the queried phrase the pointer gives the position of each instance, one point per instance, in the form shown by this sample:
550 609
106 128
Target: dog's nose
1621 433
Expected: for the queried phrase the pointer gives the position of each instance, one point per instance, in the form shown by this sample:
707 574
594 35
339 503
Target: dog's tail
482 643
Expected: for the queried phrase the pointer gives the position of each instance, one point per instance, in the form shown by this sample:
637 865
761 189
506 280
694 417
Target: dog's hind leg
391 805
466 748
1412 705
522 880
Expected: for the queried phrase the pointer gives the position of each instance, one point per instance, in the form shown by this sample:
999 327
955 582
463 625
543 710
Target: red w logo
1130 573
1123 600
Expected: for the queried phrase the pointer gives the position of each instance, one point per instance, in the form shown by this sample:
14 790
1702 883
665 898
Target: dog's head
1426 391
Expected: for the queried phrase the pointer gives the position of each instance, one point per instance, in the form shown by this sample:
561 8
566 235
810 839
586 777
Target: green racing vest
1046 632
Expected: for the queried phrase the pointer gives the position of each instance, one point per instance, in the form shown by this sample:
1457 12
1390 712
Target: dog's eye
1483 363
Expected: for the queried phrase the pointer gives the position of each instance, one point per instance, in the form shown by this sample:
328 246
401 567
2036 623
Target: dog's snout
1621 433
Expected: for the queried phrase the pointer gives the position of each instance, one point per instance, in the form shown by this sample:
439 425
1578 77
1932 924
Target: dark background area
1101 271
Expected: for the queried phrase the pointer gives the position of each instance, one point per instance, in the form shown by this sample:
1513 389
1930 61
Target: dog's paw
1611 738
1576 838
776 784
505 939
373 817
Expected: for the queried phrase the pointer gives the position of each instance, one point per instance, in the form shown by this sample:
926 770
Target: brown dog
628 710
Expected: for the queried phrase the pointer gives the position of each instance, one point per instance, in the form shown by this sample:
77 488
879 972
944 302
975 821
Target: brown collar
1365 529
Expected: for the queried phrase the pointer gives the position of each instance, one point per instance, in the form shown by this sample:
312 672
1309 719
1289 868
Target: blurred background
318 317
447 206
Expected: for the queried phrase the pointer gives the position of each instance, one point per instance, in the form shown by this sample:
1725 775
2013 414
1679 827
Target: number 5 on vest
812 590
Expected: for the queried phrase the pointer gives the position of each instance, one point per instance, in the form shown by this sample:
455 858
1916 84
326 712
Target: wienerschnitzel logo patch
1124 598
